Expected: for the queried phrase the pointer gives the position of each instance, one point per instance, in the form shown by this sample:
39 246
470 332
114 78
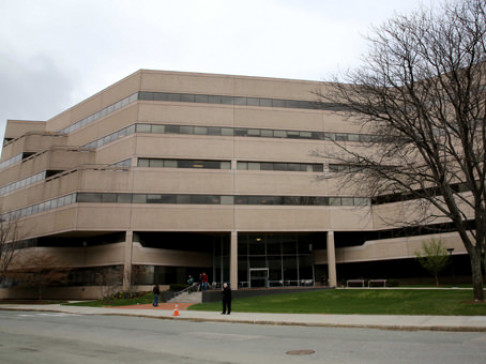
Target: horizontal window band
220 199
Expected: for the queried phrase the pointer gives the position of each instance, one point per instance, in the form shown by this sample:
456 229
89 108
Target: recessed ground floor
246 260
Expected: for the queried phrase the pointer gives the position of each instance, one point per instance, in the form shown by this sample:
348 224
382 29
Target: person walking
226 299
156 292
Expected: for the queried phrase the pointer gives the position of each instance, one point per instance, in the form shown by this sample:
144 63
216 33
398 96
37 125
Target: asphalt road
36 337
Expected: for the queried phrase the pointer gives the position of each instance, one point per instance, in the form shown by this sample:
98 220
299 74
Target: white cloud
71 49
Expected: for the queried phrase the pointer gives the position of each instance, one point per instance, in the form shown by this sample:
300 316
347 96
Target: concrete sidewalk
385 322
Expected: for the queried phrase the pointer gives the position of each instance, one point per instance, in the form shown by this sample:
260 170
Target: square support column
331 259
234 260
127 265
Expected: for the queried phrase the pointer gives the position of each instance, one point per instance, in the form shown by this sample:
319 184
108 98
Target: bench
376 281
355 281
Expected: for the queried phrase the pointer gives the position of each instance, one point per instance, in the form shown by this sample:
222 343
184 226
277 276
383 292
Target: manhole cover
300 352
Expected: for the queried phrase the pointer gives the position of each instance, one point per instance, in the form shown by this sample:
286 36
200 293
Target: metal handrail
193 288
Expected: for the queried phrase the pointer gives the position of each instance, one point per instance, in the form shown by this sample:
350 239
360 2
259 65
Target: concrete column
234 260
331 259
127 267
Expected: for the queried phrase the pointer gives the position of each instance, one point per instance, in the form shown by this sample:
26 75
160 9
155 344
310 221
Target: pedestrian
200 281
156 292
226 299
205 280
190 280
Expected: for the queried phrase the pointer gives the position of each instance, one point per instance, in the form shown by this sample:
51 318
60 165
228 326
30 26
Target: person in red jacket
204 281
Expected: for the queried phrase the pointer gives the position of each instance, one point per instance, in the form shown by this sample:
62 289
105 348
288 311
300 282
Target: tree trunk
477 275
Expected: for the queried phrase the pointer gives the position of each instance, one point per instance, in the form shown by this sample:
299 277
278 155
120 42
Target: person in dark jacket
226 299
156 292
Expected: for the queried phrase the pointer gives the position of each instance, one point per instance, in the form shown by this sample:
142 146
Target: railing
193 288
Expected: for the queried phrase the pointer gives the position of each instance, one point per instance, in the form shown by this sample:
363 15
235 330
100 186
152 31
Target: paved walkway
166 311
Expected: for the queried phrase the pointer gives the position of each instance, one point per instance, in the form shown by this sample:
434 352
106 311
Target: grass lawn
361 301
144 299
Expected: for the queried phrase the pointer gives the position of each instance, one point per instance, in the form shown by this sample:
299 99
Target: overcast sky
56 53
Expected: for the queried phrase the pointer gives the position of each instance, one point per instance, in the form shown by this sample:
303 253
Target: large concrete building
166 174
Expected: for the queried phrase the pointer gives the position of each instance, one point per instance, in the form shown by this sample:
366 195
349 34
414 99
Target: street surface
42 337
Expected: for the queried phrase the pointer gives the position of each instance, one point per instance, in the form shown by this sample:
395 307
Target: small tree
433 257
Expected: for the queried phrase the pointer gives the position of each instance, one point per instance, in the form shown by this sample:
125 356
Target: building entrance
258 277
277 259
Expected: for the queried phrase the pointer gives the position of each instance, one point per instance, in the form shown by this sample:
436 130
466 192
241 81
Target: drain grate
300 352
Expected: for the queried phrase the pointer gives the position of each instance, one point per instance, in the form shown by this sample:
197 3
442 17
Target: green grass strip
362 302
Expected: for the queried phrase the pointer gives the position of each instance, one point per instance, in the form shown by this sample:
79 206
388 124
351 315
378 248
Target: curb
263 321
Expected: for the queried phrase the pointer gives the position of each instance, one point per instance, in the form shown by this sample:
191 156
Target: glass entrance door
258 277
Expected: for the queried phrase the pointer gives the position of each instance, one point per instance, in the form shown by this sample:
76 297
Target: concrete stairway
187 297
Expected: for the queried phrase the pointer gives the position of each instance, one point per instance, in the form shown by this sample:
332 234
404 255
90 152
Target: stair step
195 297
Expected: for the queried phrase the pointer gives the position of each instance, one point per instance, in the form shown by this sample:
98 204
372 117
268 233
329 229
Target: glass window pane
228 100
159 129
239 100
89 197
278 103
172 129
266 133
335 201
347 201
353 137
154 198
202 98
240 132
264 166
293 134
186 129
109 197
173 97
225 165
124 198
265 102
227 200
170 163
227 131
160 96
144 128
280 133
143 162
188 98
242 165
253 101
214 99
213 131
139 198
200 130
156 163
142 95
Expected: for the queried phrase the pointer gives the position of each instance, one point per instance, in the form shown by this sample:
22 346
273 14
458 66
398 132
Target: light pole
450 250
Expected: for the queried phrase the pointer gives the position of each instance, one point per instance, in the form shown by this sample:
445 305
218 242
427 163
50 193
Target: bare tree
39 270
421 96
8 243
